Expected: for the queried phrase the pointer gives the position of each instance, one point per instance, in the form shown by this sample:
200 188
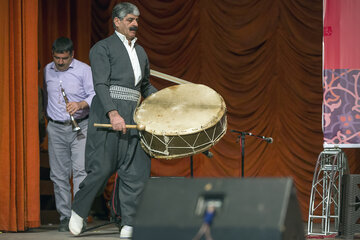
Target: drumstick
106 125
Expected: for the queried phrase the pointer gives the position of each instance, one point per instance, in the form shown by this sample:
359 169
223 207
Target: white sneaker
126 232
76 223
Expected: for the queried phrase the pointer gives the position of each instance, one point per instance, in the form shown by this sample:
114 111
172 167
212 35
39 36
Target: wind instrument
75 126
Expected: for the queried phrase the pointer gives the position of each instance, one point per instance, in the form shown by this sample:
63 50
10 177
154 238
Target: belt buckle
67 123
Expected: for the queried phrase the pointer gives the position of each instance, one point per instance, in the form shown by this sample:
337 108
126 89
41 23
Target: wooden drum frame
181 121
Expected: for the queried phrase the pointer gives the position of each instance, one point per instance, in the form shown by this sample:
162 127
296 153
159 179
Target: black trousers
109 151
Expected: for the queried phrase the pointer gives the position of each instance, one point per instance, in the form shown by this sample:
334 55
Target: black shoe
64 225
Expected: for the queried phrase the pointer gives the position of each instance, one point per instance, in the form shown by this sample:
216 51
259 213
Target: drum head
180 110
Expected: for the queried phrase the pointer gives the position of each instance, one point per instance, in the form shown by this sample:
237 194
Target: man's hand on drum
117 122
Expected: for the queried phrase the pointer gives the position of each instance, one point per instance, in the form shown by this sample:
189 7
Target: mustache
133 28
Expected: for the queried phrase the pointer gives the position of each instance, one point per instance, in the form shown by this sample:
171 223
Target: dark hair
63 44
122 9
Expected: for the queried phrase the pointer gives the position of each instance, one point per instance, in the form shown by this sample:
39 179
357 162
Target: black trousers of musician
109 151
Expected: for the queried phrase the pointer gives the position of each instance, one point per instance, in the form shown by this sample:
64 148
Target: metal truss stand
324 207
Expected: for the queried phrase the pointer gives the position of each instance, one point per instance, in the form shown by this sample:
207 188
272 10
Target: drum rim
220 114
156 155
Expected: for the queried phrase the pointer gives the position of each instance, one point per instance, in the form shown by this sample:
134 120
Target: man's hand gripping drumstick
108 125
118 123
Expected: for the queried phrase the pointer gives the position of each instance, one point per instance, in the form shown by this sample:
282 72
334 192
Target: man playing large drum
120 70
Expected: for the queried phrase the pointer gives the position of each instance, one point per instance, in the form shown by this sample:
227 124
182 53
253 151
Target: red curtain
65 18
19 147
264 57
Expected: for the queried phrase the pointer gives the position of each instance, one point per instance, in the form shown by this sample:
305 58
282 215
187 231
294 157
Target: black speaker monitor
349 224
250 208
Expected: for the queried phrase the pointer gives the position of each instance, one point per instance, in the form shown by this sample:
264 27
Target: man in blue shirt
68 89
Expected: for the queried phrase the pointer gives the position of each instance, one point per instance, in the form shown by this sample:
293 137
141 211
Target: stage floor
111 231
46 232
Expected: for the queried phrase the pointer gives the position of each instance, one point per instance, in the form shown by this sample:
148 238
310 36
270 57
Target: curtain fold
264 57
65 18
19 147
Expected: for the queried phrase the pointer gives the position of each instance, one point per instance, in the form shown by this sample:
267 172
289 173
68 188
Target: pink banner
341 109
341 34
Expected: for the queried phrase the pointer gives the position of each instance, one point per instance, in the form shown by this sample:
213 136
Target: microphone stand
207 153
191 166
242 144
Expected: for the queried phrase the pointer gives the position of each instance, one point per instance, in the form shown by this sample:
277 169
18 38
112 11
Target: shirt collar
55 69
124 40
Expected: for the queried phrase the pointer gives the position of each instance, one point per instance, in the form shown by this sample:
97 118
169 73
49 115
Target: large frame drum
181 120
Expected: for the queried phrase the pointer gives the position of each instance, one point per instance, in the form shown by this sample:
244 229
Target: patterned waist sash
123 93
